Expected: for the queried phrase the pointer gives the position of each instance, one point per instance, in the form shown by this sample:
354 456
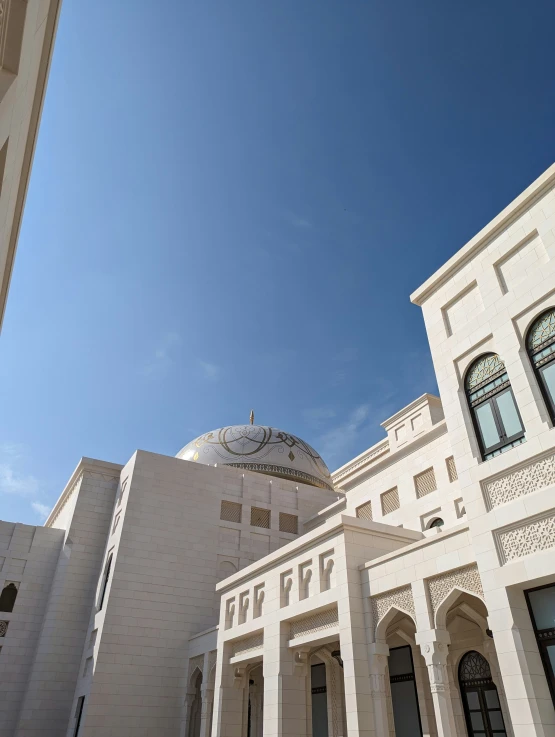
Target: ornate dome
263 449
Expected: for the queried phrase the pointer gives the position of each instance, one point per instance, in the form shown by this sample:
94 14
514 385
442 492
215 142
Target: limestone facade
417 597
27 33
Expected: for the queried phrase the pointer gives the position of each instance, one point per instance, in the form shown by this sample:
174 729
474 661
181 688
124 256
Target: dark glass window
494 412
482 709
541 604
105 583
438 522
8 597
78 714
540 343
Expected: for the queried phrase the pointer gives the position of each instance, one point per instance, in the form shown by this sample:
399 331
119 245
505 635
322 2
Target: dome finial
252 417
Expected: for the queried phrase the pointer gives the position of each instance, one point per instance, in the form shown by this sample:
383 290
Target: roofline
544 182
85 464
51 21
331 527
422 399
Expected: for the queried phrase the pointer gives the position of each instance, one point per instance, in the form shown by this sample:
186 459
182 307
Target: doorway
404 698
482 709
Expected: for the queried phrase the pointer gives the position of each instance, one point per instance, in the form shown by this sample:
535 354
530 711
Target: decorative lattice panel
260 517
400 598
3 628
196 662
474 667
466 578
541 331
288 523
425 483
248 644
315 622
365 511
525 480
390 500
230 511
451 469
532 537
485 368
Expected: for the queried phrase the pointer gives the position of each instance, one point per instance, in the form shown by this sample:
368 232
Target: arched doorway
195 707
255 702
482 709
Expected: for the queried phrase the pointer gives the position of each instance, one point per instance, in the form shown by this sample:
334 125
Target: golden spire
252 417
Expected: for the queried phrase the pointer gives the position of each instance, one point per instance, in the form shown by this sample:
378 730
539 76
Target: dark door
406 712
482 709
319 700
541 603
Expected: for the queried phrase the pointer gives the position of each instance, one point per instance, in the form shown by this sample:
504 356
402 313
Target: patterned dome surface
260 448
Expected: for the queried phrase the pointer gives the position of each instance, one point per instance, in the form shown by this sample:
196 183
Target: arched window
482 709
540 343
8 597
437 522
492 404
105 582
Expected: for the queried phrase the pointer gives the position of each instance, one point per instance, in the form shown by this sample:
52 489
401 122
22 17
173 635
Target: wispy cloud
41 509
11 482
335 444
158 365
297 221
317 416
16 482
210 371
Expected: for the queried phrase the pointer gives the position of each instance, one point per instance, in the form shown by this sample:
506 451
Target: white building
27 33
238 590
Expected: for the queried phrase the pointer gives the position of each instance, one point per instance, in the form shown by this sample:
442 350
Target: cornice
375 464
536 190
106 468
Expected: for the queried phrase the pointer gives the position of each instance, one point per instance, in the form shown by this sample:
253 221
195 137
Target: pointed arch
442 609
497 421
383 624
8 597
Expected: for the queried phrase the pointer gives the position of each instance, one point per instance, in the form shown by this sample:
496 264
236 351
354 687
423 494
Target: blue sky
230 205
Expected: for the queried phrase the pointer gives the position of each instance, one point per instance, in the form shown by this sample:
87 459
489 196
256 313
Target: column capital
239 677
434 645
378 648
300 661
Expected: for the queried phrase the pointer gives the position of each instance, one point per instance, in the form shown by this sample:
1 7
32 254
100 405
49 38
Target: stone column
228 696
206 710
525 684
491 657
435 654
285 707
354 653
378 674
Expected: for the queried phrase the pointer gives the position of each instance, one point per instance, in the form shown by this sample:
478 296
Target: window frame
544 638
499 425
436 522
105 580
491 397
538 370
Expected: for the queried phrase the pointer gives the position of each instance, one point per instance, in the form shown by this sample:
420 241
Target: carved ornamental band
531 477
533 537
467 578
400 598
